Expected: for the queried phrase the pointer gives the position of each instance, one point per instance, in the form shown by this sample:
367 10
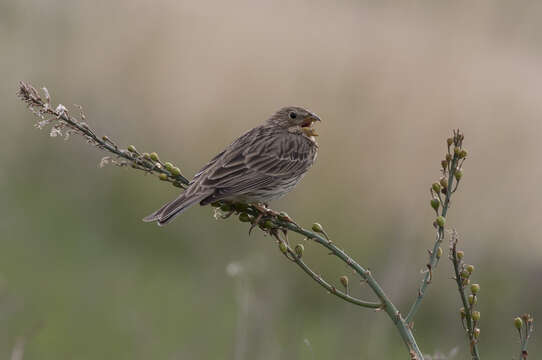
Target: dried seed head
344 281
462 154
448 157
458 174
444 164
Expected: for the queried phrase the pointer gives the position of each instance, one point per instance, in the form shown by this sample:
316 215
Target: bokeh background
81 277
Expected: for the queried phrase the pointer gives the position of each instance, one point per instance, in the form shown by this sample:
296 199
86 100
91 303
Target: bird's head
295 119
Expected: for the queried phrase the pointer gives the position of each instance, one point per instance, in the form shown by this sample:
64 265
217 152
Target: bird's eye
292 115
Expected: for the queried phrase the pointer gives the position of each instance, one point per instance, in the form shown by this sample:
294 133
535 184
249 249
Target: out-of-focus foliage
81 275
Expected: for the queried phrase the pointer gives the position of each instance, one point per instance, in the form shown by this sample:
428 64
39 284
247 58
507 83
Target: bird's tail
173 208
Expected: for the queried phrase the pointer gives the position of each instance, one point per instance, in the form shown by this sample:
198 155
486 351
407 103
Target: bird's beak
307 125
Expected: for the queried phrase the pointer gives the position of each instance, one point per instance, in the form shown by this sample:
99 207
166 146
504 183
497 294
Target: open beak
307 125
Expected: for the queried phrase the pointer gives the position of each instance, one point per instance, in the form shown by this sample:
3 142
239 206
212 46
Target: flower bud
458 174
175 171
460 254
476 315
316 227
344 281
283 247
440 221
132 149
475 288
518 323
154 157
168 166
473 299
244 217
299 249
439 253
436 187
163 177
465 274
435 203
469 268
476 333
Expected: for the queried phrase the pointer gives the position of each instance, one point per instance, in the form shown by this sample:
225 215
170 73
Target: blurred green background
81 277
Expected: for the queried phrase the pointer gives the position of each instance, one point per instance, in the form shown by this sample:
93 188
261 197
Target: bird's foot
265 211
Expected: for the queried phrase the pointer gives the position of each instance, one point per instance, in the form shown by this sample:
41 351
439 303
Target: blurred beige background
81 277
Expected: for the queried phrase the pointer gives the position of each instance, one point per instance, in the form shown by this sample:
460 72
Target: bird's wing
257 160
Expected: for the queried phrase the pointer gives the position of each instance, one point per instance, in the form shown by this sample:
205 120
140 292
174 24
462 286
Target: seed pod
473 299
132 149
147 156
344 281
444 164
463 154
283 247
175 171
435 203
476 333
299 249
244 217
154 156
460 254
439 253
436 187
268 224
449 141
475 288
168 166
444 182
448 157
518 323
162 177
458 174
469 268
476 315
465 274
440 221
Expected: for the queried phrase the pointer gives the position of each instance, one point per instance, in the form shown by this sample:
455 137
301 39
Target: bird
261 165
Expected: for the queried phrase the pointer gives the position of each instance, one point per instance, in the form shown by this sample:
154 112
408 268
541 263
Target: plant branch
450 171
61 120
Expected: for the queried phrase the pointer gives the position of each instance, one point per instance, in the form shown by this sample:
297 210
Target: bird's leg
263 209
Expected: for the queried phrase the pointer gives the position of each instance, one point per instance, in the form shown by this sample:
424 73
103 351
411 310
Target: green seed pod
283 247
268 224
436 187
316 227
440 221
344 281
476 333
462 313
147 156
154 157
163 177
283 216
460 254
473 299
132 148
439 253
465 274
168 166
175 171
244 217
518 323
299 249
435 203
465 282
475 288
458 174
225 207
444 182
476 315
449 141
469 268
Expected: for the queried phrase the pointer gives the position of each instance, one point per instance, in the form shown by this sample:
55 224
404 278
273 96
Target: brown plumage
261 165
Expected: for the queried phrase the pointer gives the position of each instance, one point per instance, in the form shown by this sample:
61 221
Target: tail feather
173 208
